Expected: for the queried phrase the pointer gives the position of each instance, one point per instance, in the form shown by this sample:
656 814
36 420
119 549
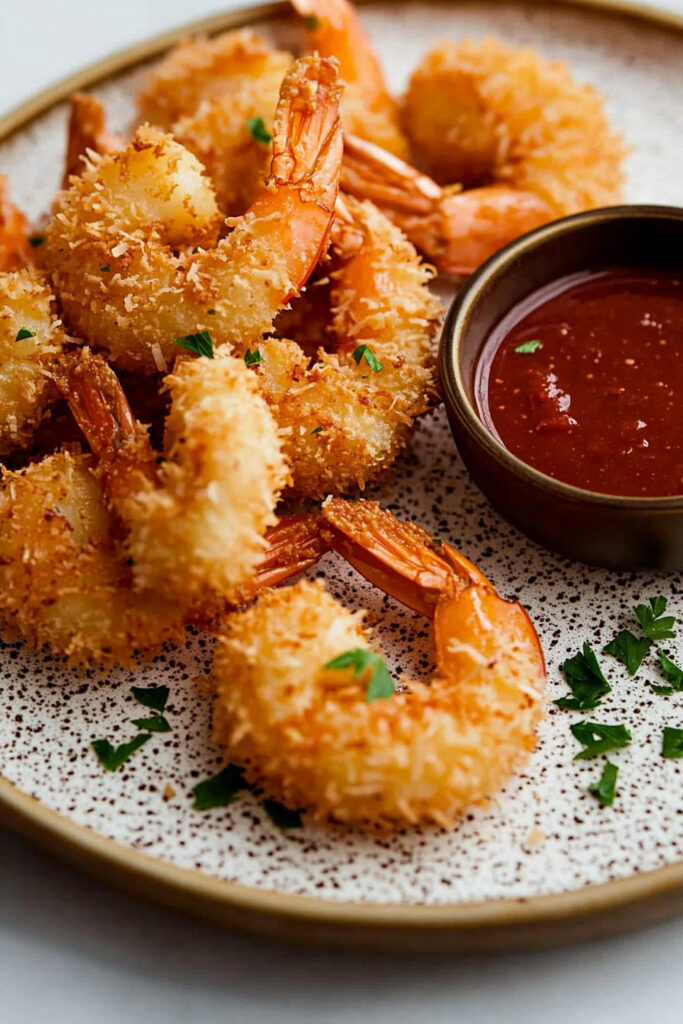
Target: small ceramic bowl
601 529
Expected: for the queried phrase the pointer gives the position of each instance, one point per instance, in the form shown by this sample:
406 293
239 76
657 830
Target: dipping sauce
584 381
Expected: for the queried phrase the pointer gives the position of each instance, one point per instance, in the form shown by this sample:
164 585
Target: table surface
72 950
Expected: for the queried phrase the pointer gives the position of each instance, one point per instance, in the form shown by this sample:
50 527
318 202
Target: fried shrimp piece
305 731
31 340
64 581
132 244
15 249
196 523
368 109
86 130
488 113
346 418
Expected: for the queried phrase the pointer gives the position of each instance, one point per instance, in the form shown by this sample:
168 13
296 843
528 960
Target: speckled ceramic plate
544 862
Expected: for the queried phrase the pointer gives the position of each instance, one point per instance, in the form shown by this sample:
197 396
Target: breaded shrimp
132 246
368 109
304 729
64 580
196 523
31 340
346 417
15 249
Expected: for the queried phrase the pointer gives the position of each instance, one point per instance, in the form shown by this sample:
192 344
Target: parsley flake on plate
220 790
366 664
256 127
597 738
201 344
586 681
365 352
111 758
673 675
24 333
672 742
527 348
252 358
155 723
653 622
605 788
629 649
281 815
154 697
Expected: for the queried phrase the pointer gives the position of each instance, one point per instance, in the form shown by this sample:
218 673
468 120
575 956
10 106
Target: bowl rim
455 392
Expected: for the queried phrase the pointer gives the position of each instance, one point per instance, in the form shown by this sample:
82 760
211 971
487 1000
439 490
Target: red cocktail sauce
599 403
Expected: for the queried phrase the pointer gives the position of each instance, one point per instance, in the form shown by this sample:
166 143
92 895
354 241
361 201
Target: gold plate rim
593 911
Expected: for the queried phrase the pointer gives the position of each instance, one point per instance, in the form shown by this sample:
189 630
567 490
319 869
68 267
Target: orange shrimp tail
87 130
294 544
370 172
15 249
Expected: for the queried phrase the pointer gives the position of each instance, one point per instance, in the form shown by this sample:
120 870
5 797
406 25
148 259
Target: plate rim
593 911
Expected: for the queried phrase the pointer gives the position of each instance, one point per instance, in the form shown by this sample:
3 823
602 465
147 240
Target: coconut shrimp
15 249
305 731
368 109
133 250
31 340
196 523
346 417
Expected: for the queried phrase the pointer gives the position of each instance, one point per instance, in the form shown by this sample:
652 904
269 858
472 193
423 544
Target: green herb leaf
256 127
105 270
317 430
586 681
605 788
252 358
220 790
35 240
653 622
24 333
609 737
672 673
662 691
157 723
111 758
629 649
211 312
154 697
282 816
201 344
437 542
672 742
364 351
311 22
528 347
365 663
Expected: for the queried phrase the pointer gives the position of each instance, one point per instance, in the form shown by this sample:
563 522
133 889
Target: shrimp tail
15 250
86 131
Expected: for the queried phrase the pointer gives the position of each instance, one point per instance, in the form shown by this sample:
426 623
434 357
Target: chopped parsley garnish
366 664
57 509
281 815
35 240
106 269
673 675
156 723
528 347
598 739
252 358
211 312
154 697
311 22
201 344
604 789
586 681
317 430
220 790
437 542
24 333
256 127
365 352
111 758
653 622
629 649
672 742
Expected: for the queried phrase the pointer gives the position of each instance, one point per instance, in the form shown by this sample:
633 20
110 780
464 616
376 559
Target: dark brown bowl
601 529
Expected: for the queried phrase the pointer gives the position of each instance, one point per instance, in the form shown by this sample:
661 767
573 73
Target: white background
73 951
